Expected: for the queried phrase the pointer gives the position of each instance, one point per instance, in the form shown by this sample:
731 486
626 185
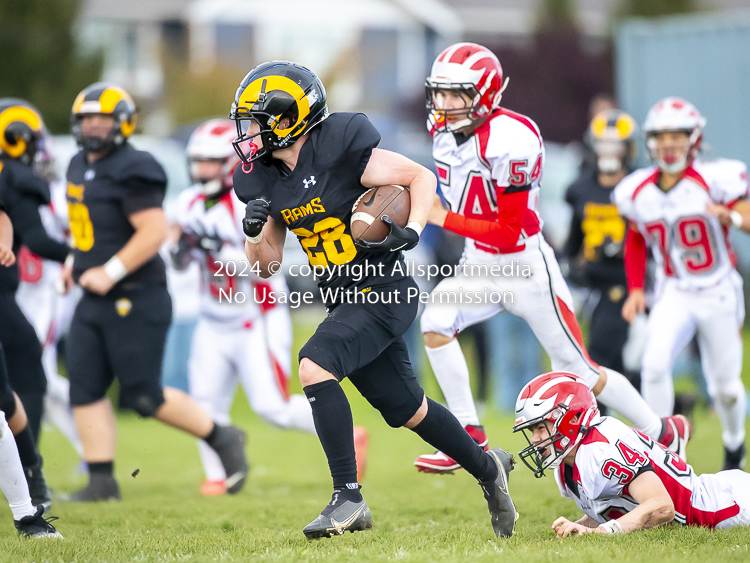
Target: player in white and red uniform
246 342
37 297
489 162
621 479
683 207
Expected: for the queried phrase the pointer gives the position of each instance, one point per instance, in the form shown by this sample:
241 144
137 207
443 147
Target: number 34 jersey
613 454
315 200
689 245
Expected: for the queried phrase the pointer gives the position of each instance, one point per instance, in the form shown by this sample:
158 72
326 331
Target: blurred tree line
39 60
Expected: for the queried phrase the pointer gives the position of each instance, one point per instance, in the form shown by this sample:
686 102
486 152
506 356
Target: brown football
393 201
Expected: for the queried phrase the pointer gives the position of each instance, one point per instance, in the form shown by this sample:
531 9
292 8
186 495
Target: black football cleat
339 516
734 459
230 446
502 510
36 526
101 487
38 490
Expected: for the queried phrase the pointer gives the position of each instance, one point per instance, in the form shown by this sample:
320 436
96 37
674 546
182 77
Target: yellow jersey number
601 223
331 231
80 226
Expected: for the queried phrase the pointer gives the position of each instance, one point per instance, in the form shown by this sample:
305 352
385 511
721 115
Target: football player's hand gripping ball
398 239
256 215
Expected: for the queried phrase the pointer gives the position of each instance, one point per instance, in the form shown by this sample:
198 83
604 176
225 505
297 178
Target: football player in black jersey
28 518
303 170
21 129
597 235
115 195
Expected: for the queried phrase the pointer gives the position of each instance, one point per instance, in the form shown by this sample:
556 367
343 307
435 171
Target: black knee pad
396 408
145 403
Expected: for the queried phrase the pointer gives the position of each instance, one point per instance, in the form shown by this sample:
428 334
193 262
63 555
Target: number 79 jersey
689 245
504 155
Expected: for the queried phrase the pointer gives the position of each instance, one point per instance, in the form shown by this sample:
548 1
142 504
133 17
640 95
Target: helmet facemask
680 163
211 185
549 453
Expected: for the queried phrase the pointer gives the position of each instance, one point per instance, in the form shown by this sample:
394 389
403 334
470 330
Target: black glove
256 215
398 239
209 243
180 252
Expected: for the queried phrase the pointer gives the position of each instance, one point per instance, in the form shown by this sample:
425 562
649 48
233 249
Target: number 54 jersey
690 246
612 455
505 155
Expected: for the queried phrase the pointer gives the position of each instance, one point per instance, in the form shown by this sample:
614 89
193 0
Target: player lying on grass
621 479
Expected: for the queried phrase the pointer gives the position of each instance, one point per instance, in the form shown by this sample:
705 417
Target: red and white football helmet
565 401
469 68
674 114
213 141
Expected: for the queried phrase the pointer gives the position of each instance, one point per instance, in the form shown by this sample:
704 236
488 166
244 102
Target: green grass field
416 517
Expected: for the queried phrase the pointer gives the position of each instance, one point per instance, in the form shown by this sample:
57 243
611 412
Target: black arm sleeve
28 227
360 137
142 195
575 238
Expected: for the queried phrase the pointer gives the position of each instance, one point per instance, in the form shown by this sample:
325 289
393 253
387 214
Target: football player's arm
29 228
636 255
655 507
736 214
386 167
265 255
150 233
502 233
7 258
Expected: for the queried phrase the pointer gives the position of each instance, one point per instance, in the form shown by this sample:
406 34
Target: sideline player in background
38 297
230 343
490 161
595 246
27 518
21 129
115 194
618 477
683 207
298 157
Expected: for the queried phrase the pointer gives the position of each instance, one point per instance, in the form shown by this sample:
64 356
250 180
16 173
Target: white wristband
69 260
736 217
413 225
254 240
611 527
115 269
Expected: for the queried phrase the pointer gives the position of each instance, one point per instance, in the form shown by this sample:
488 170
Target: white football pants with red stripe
222 356
544 301
716 314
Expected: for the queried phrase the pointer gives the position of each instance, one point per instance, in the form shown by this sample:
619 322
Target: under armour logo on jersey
310 182
89 174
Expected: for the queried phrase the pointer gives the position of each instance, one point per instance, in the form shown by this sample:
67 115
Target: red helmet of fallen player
467 68
566 405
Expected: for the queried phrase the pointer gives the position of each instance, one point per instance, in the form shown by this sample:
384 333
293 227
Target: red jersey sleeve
636 254
503 233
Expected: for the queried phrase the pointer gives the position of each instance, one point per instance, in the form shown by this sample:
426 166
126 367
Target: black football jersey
598 228
101 196
315 201
22 193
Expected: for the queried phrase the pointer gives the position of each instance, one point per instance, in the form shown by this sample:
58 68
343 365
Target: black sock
26 447
441 429
333 423
102 467
212 435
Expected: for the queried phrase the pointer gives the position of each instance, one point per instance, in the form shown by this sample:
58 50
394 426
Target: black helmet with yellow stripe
612 136
103 98
21 128
285 99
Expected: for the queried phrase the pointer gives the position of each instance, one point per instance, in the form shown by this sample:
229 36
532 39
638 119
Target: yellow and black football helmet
21 128
103 98
612 136
285 99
